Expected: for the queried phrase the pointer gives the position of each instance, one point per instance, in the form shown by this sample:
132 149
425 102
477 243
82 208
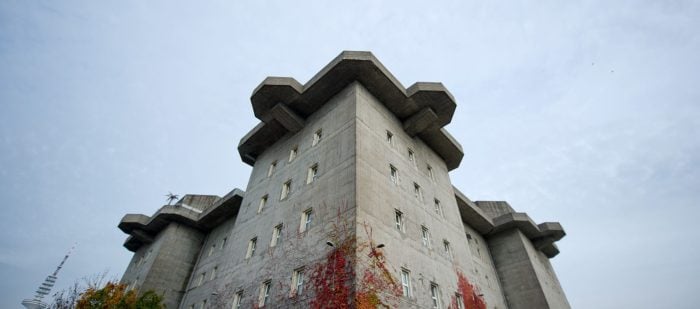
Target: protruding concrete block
420 121
349 67
285 116
273 90
435 96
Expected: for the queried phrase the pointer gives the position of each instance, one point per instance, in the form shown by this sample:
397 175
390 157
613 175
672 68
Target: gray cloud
582 112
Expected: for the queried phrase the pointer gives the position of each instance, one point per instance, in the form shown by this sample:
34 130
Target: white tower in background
45 288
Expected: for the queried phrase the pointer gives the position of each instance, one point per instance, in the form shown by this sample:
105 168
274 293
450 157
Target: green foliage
150 300
110 296
116 296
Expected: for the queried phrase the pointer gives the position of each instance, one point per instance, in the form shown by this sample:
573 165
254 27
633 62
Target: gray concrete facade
354 150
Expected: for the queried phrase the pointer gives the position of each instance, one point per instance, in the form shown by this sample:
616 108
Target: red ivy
377 279
470 296
331 280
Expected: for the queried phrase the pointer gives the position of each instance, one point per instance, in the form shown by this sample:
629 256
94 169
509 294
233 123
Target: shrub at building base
117 296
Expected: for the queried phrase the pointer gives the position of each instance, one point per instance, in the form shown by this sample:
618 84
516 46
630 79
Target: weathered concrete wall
140 264
208 268
484 273
331 192
547 278
167 263
495 208
378 198
525 273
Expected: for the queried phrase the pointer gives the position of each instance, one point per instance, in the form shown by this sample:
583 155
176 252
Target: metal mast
45 288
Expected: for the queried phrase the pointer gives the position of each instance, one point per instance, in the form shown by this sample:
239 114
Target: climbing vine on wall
332 278
378 288
470 297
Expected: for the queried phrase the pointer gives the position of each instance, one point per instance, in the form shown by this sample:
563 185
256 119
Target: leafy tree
117 296
94 294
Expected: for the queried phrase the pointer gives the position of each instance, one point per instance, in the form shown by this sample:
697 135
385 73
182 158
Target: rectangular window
430 173
237 299
293 153
435 295
223 243
286 189
272 168
438 208
264 293
276 235
394 174
417 191
211 249
263 201
389 138
448 250
201 278
297 281
306 219
311 174
411 157
399 221
425 236
251 247
406 282
318 135
213 273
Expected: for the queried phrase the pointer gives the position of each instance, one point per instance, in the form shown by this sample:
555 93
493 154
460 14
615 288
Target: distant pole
45 288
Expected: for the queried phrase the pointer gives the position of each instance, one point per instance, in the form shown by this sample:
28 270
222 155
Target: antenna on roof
170 197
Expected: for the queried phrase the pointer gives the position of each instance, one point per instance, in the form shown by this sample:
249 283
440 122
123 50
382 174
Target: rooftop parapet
204 212
283 104
492 217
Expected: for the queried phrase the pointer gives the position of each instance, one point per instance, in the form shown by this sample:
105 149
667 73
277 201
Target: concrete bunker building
349 157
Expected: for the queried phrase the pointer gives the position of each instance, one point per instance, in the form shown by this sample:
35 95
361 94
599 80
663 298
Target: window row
298 280
296 288
286 190
143 258
411 156
406 287
294 151
417 190
307 217
399 222
203 277
213 247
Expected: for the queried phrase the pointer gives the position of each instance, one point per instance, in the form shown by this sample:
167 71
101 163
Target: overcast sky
581 112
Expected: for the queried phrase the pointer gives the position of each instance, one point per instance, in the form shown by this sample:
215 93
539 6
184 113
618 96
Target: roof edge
348 67
142 229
